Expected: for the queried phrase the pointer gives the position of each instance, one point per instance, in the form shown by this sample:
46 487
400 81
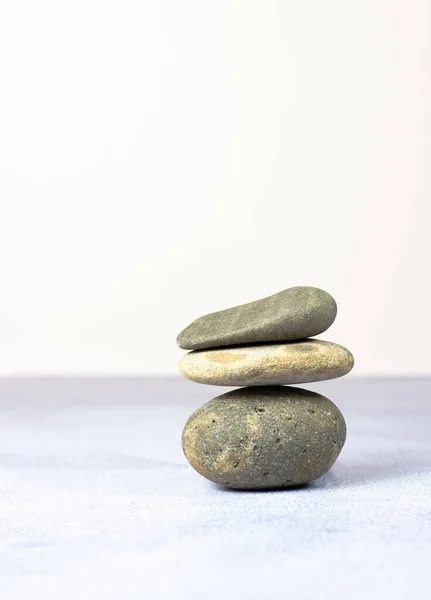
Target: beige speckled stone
274 364
293 314
266 437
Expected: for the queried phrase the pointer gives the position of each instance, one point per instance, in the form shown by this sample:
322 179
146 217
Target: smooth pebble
269 364
293 314
263 438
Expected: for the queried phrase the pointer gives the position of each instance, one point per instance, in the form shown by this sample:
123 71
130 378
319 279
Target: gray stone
272 364
263 438
294 314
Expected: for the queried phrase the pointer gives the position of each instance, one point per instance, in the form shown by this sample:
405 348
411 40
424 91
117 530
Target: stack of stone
264 435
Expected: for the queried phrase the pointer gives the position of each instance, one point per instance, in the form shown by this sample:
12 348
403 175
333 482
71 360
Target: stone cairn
265 435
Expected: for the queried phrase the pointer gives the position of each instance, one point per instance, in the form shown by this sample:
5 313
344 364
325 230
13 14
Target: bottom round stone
264 437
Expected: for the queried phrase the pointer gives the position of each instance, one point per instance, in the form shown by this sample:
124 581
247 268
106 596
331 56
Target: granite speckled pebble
293 314
263 438
275 364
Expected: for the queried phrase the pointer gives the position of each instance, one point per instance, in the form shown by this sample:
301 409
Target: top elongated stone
293 314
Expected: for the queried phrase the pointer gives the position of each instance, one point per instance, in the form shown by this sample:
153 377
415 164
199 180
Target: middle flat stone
269 364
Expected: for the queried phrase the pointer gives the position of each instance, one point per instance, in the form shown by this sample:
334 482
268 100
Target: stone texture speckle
293 314
274 364
263 438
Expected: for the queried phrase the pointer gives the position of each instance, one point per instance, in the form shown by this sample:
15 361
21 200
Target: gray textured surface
98 502
292 314
261 438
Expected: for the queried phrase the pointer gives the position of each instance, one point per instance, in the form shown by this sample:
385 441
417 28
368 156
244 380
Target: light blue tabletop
98 502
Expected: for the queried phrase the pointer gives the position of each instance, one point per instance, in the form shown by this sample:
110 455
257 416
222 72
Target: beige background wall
163 159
